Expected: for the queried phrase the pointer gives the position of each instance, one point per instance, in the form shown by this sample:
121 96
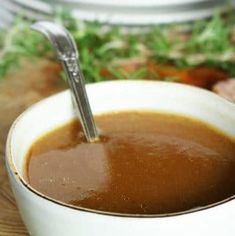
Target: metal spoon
67 53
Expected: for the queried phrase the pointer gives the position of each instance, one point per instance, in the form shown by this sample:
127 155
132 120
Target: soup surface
145 163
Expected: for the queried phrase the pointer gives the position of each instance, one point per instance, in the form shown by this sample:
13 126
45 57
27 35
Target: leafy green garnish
183 45
19 42
213 37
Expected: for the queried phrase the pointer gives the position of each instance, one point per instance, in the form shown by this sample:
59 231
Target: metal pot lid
120 12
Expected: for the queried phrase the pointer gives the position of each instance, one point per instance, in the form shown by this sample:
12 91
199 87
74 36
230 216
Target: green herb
159 42
185 45
213 37
19 42
209 43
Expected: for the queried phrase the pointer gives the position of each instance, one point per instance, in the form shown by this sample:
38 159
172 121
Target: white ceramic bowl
46 217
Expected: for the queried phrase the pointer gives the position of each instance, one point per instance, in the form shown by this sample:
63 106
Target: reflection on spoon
67 53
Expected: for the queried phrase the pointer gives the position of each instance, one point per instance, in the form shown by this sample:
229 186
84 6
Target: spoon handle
67 53
76 83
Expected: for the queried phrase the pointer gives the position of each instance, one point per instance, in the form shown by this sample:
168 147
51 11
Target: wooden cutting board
34 81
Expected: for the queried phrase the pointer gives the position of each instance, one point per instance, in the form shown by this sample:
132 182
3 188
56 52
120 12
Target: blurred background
184 41
125 12
188 41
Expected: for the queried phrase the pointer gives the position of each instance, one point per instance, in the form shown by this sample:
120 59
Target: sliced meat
200 76
226 89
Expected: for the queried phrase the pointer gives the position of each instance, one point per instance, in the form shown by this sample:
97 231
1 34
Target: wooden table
34 81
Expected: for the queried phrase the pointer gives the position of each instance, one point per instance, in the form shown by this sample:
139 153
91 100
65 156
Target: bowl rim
23 183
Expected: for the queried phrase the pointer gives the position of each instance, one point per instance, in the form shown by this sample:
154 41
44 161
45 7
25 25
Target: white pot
46 217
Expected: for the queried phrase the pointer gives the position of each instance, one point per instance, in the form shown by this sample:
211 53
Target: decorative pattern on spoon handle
76 82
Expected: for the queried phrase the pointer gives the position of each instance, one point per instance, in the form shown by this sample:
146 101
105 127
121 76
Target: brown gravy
146 163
